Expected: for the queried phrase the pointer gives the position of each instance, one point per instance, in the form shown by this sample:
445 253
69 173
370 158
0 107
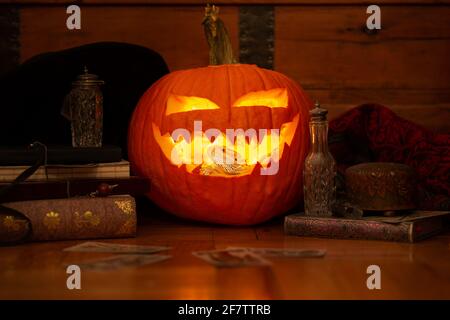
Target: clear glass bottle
319 174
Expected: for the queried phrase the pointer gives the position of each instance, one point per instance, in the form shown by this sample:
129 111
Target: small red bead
103 189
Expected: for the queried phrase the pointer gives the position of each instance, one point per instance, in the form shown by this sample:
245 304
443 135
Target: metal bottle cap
87 79
318 113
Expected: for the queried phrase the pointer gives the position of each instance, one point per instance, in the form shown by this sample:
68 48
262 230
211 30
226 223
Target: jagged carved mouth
234 153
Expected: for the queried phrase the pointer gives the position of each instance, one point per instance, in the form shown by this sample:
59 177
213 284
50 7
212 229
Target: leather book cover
416 226
59 189
23 156
52 172
65 219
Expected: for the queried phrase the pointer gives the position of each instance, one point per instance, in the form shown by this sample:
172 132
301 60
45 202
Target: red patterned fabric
372 132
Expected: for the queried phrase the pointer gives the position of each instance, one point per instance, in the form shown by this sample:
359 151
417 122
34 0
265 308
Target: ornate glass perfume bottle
83 106
320 168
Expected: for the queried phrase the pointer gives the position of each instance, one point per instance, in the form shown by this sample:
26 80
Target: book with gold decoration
64 219
414 226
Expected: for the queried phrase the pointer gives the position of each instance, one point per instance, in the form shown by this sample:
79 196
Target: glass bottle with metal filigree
83 106
320 168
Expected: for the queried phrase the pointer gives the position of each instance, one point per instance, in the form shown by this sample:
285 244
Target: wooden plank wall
321 44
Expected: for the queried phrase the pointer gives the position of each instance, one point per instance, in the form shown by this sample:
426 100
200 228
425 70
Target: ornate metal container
381 186
319 173
83 106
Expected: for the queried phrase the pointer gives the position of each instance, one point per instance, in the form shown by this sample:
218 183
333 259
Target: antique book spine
75 218
26 156
38 190
54 172
340 228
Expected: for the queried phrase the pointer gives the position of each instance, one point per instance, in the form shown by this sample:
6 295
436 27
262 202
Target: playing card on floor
282 252
231 258
121 261
114 248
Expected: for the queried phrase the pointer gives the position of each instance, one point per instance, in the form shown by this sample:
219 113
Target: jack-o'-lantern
223 143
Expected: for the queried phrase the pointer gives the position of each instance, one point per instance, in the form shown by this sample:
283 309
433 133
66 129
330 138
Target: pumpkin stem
220 50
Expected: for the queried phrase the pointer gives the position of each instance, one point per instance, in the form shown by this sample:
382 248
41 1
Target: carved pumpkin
188 178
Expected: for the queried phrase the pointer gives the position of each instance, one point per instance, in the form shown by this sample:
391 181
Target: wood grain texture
323 46
347 23
409 271
404 66
332 50
175 32
228 2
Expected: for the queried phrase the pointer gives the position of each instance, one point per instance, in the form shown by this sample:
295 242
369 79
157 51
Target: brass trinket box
381 186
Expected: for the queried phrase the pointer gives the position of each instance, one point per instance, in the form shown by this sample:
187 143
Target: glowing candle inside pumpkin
200 150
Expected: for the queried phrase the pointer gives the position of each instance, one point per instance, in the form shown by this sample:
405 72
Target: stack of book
120 169
80 193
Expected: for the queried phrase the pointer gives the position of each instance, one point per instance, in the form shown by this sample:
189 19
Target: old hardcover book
409 228
58 189
23 156
64 219
119 169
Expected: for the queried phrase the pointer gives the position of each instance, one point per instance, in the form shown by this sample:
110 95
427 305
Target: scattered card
114 248
290 253
121 261
233 258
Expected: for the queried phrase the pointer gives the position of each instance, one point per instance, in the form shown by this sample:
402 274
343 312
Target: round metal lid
87 79
318 113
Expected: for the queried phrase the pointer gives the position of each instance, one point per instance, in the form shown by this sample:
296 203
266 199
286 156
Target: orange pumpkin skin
240 200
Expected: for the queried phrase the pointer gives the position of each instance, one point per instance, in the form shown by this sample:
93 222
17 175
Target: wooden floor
408 271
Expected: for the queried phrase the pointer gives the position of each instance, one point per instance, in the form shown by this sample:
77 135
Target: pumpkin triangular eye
273 98
176 104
